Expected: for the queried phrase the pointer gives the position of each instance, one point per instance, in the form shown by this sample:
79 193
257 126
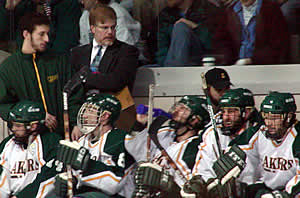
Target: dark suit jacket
117 67
271 40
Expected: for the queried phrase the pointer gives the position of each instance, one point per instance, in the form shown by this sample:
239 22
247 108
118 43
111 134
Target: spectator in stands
146 12
185 31
33 74
128 30
64 15
252 32
113 63
218 82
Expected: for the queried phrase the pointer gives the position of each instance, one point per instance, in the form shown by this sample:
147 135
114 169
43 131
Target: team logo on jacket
278 163
52 78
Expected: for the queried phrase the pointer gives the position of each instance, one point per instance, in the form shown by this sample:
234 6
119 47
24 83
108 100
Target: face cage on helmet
86 112
228 131
284 125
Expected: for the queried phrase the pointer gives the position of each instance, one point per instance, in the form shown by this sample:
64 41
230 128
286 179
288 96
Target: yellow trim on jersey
201 148
252 145
178 158
3 158
38 151
276 144
101 176
44 187
3 181
94 145
165 130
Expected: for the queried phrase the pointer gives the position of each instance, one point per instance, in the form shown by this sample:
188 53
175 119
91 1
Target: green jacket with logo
18 81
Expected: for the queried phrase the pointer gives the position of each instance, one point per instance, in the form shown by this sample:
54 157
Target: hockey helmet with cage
198 108
278 105
88 118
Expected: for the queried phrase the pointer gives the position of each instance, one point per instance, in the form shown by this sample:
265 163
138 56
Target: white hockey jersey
29 172
275 164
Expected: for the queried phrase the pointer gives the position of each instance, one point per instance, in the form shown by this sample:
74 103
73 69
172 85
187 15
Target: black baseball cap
218 78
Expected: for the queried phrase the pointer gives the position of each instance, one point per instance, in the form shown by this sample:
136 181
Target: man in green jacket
32 73
64 18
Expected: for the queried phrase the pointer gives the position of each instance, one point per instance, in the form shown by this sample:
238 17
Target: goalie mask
22 116
233 105
88 118
186 110
278 111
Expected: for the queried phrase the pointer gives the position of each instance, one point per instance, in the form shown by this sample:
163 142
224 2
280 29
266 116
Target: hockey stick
213 121
150 118
77 79
152 132
211 113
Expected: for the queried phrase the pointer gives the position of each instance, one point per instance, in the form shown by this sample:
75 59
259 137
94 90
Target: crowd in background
172 32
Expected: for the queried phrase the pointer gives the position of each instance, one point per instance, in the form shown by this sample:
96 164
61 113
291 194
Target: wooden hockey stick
213 121
78 78
152 132
211 113
150 118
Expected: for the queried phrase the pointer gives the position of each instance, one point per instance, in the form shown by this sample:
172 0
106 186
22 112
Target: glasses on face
105 28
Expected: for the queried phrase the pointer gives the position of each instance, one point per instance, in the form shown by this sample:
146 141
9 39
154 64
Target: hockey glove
230 164
154 176
271 194
73 154
61 184
196 186
78 78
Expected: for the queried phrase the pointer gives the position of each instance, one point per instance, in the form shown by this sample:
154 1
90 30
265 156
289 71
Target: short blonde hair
101 13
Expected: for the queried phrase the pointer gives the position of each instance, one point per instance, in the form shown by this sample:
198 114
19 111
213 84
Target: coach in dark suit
113 64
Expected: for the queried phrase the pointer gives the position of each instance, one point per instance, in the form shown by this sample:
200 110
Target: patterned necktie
96 61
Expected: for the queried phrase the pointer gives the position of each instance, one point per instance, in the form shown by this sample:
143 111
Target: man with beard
28 165
218 82
112 63
189 116
34 74
237 107
273 151
63 15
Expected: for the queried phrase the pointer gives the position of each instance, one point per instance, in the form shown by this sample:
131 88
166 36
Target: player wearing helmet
189 116
27 156
273 150
99 154
237 107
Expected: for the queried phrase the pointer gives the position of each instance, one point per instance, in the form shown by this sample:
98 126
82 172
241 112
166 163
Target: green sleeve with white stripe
50 143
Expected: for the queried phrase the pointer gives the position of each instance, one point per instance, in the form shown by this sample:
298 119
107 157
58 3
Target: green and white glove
195 187
271 194
155 177
61 184
71 153
230 165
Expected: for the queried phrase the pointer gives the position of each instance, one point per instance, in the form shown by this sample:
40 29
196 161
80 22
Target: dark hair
30 20
100 13
104 1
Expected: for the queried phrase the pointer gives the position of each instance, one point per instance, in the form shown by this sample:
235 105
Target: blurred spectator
64 15
252 32
291 11
128 30
185 32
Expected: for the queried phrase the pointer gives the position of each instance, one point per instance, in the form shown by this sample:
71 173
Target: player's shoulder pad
245 136
3 143
50 138
158 123
118 133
